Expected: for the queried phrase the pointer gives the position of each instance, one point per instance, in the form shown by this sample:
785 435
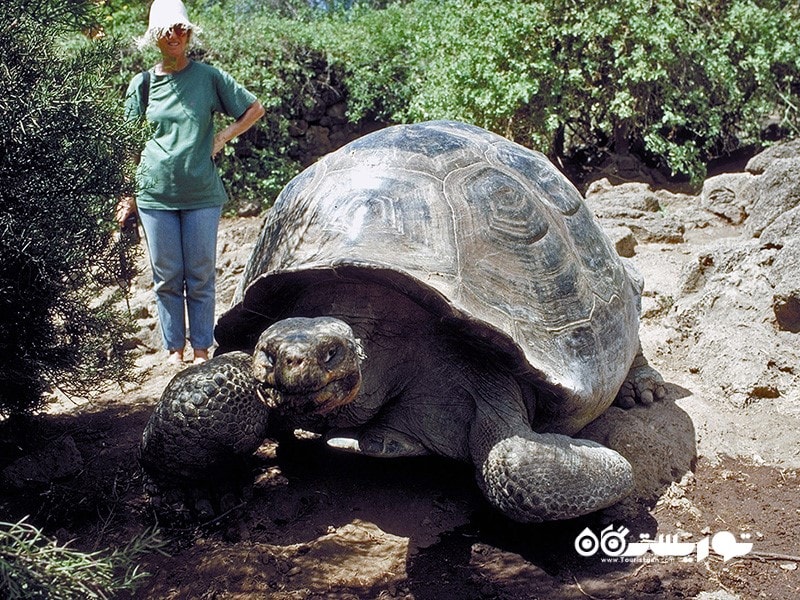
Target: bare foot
200 356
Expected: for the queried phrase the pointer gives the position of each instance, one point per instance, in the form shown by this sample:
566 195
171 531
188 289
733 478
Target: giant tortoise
428 289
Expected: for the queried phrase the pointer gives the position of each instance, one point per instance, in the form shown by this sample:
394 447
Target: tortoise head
309 365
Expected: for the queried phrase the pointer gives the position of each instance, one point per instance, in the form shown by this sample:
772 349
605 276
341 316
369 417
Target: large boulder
736 318
762 196
785 226
778 192
730 196
763 160
653 216
735 309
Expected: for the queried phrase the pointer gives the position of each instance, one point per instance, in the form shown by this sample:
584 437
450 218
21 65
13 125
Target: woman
179 191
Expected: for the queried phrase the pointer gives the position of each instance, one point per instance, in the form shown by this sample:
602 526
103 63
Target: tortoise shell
486 234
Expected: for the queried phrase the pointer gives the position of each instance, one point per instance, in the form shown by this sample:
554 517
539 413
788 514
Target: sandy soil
318 525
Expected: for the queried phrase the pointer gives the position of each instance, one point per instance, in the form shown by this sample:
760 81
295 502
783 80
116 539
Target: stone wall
325 128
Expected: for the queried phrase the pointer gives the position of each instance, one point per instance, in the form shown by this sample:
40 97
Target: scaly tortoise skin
434 289
208 415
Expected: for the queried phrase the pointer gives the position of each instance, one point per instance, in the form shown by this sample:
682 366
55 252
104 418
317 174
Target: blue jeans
183 256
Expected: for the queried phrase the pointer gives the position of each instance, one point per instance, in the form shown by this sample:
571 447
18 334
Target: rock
782 228
627 199
59 460
658 441
763 160
731 302
778 193
337 112
787 310
785 268
635 206
623 239
648 584
718 595
298 128
318 140
666 231
730 195
315 112
332 557
249 209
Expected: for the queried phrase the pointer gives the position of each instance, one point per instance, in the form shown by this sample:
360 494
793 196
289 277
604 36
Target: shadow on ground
318 524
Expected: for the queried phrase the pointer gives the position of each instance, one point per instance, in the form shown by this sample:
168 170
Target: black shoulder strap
144 92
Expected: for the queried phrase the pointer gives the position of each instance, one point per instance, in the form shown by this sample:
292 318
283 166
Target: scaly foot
642 385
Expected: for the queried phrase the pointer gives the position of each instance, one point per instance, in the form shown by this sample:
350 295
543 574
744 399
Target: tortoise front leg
209 418
532 477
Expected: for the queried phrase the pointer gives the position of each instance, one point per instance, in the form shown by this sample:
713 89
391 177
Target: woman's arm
253 113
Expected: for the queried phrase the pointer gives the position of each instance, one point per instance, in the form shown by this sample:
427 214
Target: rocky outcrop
736 320
58 460
730 196
735 313
768 192
653 216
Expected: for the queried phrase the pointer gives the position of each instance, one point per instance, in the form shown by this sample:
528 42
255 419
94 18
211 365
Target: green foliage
372 50
62 147
677 82
274 59
33 566
488 63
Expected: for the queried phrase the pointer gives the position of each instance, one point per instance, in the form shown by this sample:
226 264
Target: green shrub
677 82
33 566
64 145
489 64
374 52
273 58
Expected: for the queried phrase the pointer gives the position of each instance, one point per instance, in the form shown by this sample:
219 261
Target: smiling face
313 365
175 42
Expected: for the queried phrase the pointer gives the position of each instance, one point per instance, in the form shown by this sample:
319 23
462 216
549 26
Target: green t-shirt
176 170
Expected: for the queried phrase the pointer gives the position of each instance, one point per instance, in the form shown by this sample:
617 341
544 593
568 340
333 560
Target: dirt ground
319 525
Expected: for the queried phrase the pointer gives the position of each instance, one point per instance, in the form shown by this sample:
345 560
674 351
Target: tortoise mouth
321 400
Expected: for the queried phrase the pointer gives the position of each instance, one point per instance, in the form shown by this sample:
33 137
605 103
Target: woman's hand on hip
253 113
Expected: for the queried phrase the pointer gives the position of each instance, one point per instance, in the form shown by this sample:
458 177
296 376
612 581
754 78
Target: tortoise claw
376 441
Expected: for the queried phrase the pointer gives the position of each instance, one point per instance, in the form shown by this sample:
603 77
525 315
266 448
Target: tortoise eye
331 353
268 359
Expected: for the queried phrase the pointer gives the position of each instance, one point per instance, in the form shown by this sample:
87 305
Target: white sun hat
165 14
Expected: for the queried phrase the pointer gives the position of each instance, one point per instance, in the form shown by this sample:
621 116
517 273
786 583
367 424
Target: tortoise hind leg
643 384
533 477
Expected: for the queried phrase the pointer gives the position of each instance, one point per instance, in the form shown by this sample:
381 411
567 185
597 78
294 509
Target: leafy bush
677 82
63 145
33 566
374 52
273 58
